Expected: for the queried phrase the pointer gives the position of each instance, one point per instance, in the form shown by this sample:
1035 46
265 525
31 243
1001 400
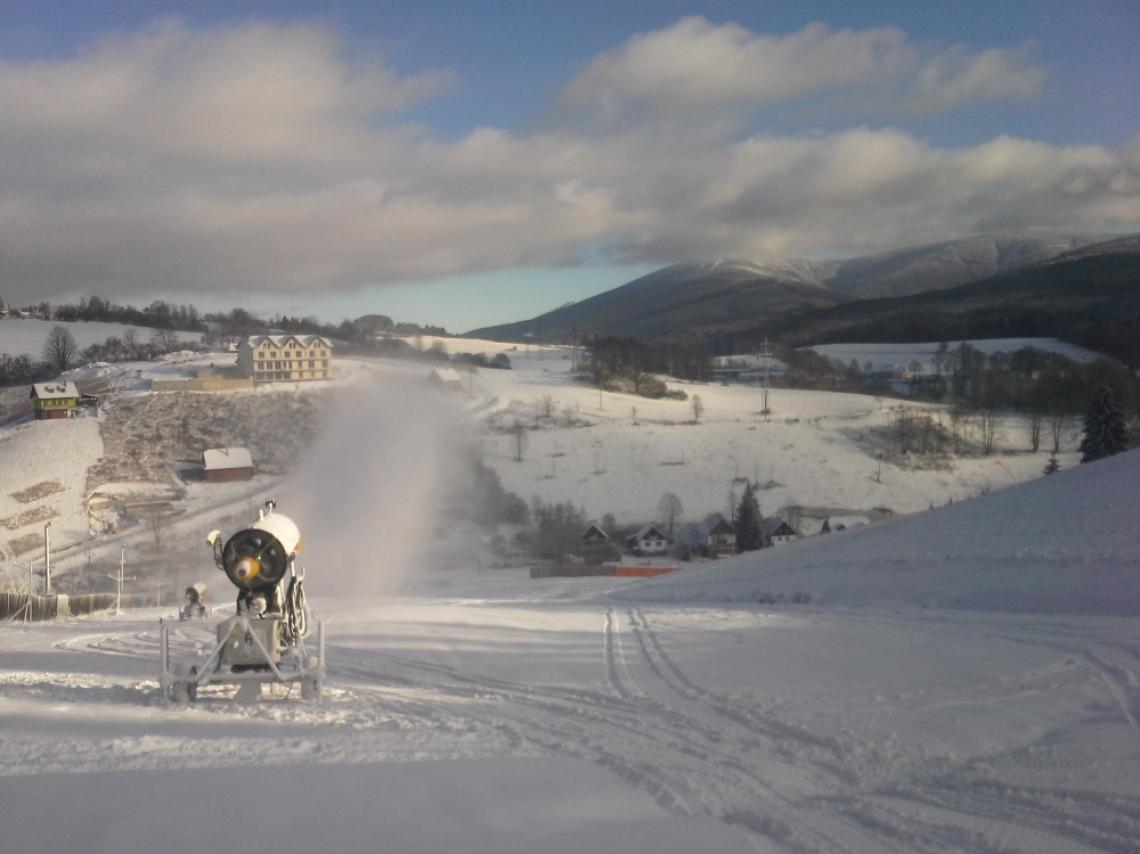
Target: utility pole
119 589
47 558
765 354
31 590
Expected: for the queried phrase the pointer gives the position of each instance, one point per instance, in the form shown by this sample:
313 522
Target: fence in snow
14 605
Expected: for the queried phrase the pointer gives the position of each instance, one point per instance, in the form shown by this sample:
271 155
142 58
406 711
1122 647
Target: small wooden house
223 464
777 531
595 546
718 536
647 541
55 400
447 379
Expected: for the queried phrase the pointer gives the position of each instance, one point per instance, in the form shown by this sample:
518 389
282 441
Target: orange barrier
644 571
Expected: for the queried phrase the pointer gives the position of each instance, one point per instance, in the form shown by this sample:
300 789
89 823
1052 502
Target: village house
718 536
55 400
223 464
647 541
777 531
595 547
285 358
446 379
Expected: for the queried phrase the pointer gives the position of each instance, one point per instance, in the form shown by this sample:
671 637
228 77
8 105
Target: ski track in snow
696 752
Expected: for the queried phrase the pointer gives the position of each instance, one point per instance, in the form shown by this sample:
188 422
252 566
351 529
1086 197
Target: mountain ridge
730 294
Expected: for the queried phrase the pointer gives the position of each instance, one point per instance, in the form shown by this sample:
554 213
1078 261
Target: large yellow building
286 358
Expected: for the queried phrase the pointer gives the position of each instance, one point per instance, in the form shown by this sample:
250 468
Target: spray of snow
367 492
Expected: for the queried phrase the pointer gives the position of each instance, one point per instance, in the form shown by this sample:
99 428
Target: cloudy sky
466 163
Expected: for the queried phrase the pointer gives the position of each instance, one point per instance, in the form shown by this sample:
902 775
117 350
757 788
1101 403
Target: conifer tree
1051 467
1104 433
749 535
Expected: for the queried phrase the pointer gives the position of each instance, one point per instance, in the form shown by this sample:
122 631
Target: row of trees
619 362
237 322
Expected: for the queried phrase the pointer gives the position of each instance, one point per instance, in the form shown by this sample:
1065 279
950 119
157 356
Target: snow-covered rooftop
282 340
55 390
226 458
446 375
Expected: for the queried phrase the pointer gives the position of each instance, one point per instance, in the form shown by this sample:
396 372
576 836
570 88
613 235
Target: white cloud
955 76
695 64
259 158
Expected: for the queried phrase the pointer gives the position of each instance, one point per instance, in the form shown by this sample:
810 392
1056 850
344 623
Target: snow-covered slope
937 266
43 470
20 336
817 449
1066 544
683 299
893 356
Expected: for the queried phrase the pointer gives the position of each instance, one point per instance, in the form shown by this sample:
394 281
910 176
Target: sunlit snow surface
501 714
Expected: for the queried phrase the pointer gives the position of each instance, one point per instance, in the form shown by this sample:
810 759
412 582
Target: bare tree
1034 420
60 348
956 427
546 406
669 512
1058 424
518 431
636 375
131 342
987 421
164 340
698 408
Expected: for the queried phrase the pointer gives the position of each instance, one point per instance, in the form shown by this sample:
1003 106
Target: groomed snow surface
489 712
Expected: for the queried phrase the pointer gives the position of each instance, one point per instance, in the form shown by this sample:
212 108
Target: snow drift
1065 544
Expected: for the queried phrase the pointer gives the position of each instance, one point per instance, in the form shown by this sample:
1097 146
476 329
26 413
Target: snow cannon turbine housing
257 558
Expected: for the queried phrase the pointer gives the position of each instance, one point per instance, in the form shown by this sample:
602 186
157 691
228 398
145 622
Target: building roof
54 391
282 340
226 458
716 524
645 531
594 532
773 524
446 375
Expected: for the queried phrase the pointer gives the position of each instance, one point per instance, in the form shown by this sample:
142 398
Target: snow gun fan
256 559
264 640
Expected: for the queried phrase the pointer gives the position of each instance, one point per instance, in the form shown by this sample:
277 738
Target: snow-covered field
962 679
20 336
805 453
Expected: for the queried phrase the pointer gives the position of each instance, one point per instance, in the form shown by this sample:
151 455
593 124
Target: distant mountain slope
684 298
1062 544
937 266
724 296
1092 300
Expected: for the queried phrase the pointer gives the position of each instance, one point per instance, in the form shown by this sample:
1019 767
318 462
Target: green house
55 400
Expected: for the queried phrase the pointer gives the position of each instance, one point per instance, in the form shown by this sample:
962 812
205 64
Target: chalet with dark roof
647 541
595 547
777 531
718 536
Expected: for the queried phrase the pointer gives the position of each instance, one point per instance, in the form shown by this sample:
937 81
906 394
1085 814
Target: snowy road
748 729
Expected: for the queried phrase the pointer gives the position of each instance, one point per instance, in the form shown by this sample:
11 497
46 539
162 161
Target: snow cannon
256 559
195 602
264 641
